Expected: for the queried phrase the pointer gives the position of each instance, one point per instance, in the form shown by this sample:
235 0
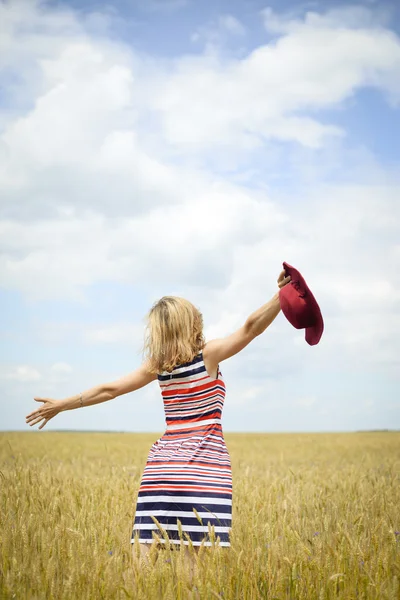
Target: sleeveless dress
189 466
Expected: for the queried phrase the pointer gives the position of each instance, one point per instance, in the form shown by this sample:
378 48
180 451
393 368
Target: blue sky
179 147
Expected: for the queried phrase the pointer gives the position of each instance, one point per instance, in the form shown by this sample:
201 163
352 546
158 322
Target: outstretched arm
108 391
99 393
220 349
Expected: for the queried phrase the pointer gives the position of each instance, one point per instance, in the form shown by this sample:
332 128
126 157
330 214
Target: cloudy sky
154 147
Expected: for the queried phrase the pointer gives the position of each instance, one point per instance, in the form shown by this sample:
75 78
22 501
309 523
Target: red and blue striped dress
189 467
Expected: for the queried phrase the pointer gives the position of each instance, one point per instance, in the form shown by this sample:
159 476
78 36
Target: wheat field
315 516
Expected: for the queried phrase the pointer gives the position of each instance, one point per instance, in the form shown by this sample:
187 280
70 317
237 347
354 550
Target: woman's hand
282 280
47 411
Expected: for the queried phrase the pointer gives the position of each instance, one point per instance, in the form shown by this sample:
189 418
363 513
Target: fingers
281 275
35 420
284 281
32 415
35 412
38 415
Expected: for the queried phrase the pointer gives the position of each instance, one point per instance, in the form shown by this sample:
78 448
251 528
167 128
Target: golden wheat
315 516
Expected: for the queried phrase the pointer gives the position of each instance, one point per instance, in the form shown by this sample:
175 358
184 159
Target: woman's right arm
220 349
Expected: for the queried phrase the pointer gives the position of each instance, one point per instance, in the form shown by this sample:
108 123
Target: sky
174 147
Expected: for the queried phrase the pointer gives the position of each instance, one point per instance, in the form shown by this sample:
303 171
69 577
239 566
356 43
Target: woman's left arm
99 393
108 391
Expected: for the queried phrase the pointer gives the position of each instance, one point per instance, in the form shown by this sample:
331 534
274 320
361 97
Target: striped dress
189 467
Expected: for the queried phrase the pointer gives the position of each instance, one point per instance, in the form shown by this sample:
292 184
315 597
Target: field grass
315 516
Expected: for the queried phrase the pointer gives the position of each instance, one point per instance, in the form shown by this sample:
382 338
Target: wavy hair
174 334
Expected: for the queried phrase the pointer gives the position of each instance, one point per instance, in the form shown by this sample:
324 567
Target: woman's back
189 467
191 397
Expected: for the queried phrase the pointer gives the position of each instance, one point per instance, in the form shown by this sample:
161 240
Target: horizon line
225 431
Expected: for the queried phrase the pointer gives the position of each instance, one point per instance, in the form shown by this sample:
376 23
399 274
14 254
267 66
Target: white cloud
19 373
27 374
107 174
217 33
352 16
231 24
315 64
77 251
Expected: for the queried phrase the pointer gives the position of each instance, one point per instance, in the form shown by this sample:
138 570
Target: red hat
300 307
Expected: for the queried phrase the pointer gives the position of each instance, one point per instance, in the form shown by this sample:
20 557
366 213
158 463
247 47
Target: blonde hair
174 334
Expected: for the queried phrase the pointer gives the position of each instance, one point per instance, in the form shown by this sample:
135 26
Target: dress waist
192 424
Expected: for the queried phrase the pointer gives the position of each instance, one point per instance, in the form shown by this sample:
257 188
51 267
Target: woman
187 483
